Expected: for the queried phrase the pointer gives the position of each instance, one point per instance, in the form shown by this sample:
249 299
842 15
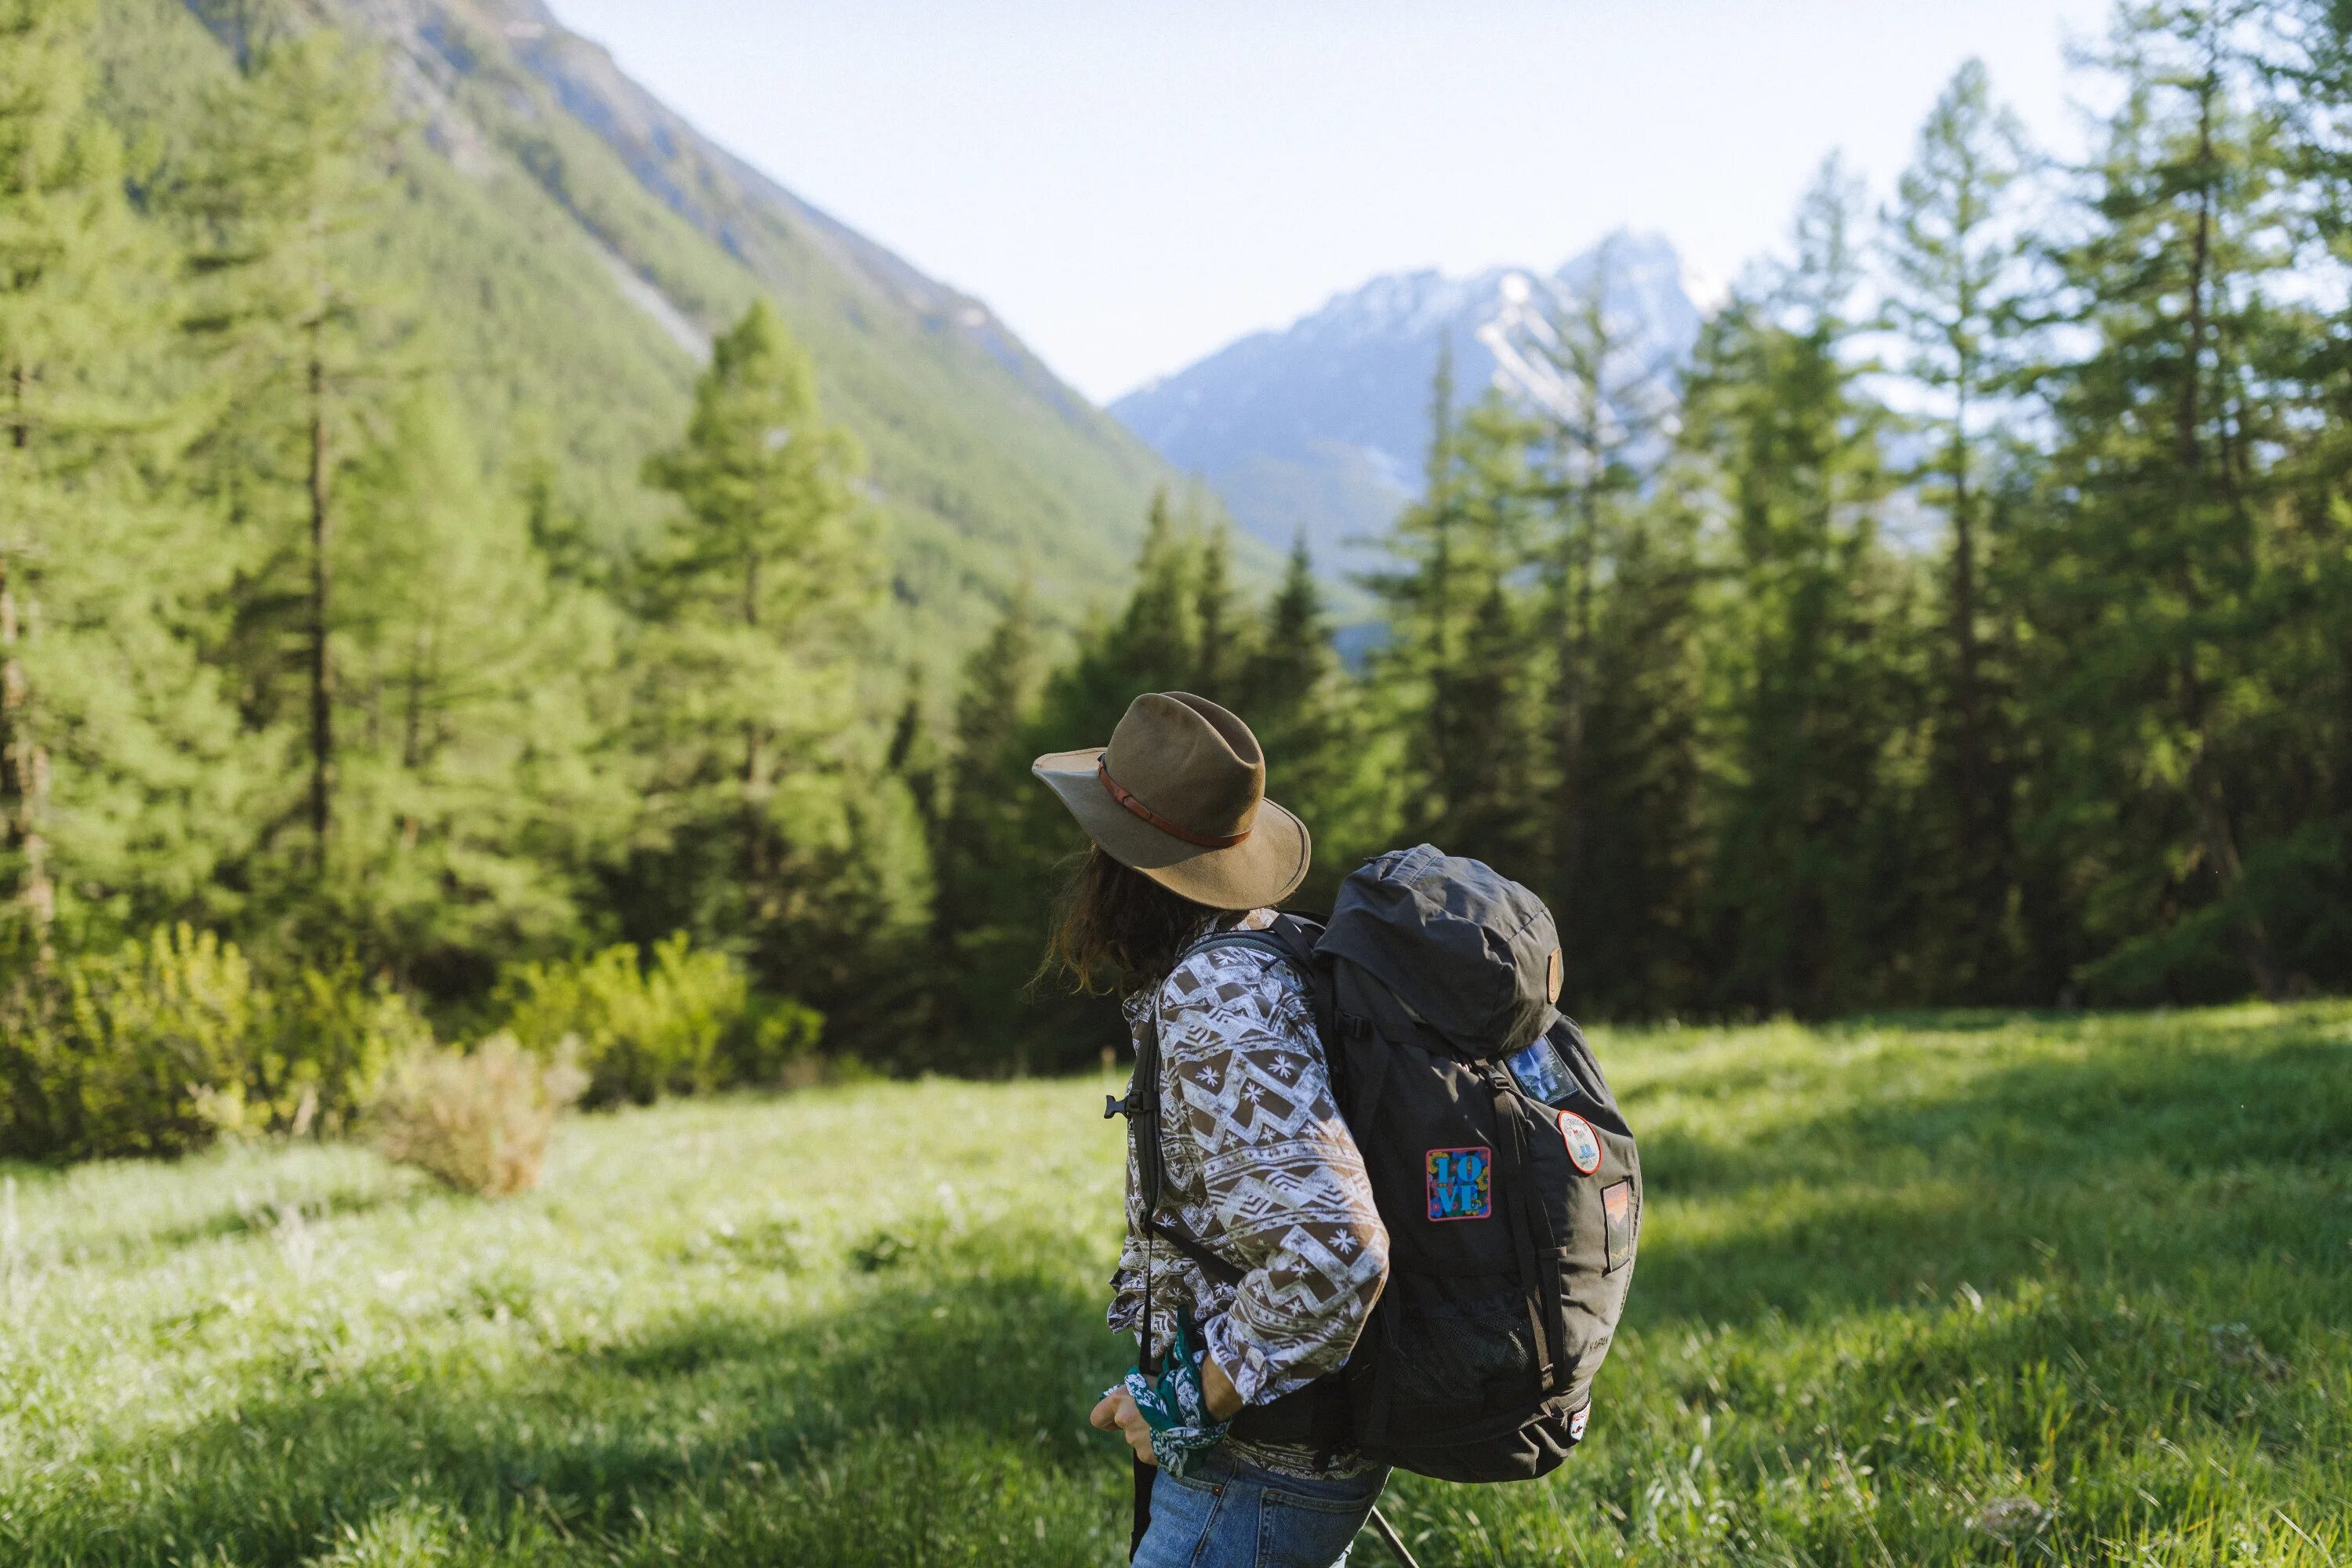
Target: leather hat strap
1205 840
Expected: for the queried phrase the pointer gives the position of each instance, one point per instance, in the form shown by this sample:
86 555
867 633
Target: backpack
1505 1177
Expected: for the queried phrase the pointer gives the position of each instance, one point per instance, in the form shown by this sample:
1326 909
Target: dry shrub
478 1120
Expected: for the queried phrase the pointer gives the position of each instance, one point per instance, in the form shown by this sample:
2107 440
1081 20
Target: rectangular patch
1617 1219
1461 1184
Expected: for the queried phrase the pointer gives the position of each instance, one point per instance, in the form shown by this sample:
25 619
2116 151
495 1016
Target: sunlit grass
1924 1291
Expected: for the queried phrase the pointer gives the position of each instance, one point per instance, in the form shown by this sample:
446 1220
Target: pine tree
1488 774
1153 643
1631 922
1217 614
1954 265
1419 592
913 751
1327 758
2156 596
762 579
1457 670
1805 905
54 208
1292 665
475 799
112 787
1603 402
990 887
1158 641
290 162
2311 61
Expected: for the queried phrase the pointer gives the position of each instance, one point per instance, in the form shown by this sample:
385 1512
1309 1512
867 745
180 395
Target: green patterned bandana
1177 1407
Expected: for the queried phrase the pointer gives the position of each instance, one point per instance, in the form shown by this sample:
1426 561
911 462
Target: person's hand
1116 1413
1224 1401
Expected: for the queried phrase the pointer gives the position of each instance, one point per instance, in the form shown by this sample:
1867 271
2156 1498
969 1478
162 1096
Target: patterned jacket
1259 1171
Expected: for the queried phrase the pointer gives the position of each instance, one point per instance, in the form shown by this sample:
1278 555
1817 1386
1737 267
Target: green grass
1946 1289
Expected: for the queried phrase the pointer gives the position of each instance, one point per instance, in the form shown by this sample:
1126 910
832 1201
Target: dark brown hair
1117 929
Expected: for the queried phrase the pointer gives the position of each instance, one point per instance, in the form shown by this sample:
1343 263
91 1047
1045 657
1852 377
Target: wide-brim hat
1180 795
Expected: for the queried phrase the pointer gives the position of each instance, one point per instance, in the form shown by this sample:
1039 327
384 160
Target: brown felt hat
1180 795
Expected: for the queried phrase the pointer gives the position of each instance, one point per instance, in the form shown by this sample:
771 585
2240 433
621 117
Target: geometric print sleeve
1279 1175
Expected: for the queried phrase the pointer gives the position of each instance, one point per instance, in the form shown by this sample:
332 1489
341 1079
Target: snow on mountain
1321 427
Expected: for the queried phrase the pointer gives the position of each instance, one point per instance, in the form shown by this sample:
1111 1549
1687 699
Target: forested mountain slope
348 627
575 244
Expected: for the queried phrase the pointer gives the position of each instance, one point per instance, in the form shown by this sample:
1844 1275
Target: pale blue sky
1130 183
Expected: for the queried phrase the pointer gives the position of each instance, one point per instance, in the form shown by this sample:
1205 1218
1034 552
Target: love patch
1461 1184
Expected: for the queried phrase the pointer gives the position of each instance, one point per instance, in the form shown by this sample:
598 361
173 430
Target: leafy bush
775 1042
334 1037
149 1053
685 1024
479 1121
165 1045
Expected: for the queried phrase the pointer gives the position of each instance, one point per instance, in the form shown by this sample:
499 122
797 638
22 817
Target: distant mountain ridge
585 242
711 188
1322 427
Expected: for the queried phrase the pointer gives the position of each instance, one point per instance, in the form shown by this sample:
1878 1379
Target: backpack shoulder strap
1264 941
1289 940
1142 1103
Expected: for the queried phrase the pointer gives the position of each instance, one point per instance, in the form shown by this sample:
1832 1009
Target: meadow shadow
1973 1185
593 1436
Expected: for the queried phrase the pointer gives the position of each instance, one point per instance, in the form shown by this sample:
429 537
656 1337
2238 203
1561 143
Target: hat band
1205 840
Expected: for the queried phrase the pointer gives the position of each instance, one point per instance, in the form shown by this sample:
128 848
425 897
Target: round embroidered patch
1583 1142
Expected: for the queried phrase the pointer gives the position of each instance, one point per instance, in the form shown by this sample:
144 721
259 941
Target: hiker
1255 1242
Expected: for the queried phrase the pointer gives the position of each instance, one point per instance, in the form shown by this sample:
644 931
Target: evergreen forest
1968 623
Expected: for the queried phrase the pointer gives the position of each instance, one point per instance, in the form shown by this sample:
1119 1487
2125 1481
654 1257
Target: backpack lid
1466 948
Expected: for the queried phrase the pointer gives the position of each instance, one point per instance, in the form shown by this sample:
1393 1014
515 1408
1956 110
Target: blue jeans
1226 1514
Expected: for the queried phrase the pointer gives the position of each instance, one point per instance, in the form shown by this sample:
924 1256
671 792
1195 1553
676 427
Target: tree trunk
1981 815
412 718
755 821
2221 847
1964 632
24 780
323 715
24 763
1576 566
2207 793
1442 719
1588 349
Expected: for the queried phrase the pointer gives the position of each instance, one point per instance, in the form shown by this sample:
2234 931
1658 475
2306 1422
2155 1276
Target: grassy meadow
1949 1289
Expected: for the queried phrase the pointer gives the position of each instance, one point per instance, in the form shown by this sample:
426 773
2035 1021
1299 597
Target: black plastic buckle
1114 1105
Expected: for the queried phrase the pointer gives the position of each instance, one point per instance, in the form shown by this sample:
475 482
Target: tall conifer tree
113 794
1216 613
1603 402
1954 294
759 582
2158 594
990 887
1803 898
291 162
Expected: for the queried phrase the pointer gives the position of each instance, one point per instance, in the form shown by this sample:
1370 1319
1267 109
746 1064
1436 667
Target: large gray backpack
1507 1178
